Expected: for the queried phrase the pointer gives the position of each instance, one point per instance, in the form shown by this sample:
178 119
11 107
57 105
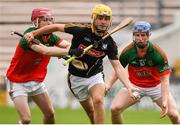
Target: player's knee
115 109
97 100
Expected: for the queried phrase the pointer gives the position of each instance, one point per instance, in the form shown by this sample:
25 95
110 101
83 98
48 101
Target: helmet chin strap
36 22
98 31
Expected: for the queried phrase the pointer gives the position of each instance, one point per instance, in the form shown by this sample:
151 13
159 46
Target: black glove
76 52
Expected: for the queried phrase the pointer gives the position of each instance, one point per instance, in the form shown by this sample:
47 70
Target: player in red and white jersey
28 68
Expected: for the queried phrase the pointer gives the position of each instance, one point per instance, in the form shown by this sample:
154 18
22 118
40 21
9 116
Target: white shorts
153 92
80 86
30 88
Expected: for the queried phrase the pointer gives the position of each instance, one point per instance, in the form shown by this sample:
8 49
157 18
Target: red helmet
40 12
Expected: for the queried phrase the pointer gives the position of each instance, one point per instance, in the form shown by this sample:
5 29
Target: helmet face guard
144 27
101 10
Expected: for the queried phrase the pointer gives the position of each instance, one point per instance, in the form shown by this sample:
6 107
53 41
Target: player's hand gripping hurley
124 23
21 35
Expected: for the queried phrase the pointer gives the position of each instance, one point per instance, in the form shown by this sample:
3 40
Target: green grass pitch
8 115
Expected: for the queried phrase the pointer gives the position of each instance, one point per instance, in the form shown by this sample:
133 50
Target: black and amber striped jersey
90 63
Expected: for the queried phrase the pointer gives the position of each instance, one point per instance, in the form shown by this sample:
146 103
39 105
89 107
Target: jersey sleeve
123 59
55 40
73 29
112 51
23 42
125 55
162 63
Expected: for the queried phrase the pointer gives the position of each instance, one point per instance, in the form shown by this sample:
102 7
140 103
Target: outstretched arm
51 51
49 29
44 30
164 94
124 77
111 81
121 73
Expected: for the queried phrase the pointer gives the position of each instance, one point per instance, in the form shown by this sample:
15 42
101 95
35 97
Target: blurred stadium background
164 15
